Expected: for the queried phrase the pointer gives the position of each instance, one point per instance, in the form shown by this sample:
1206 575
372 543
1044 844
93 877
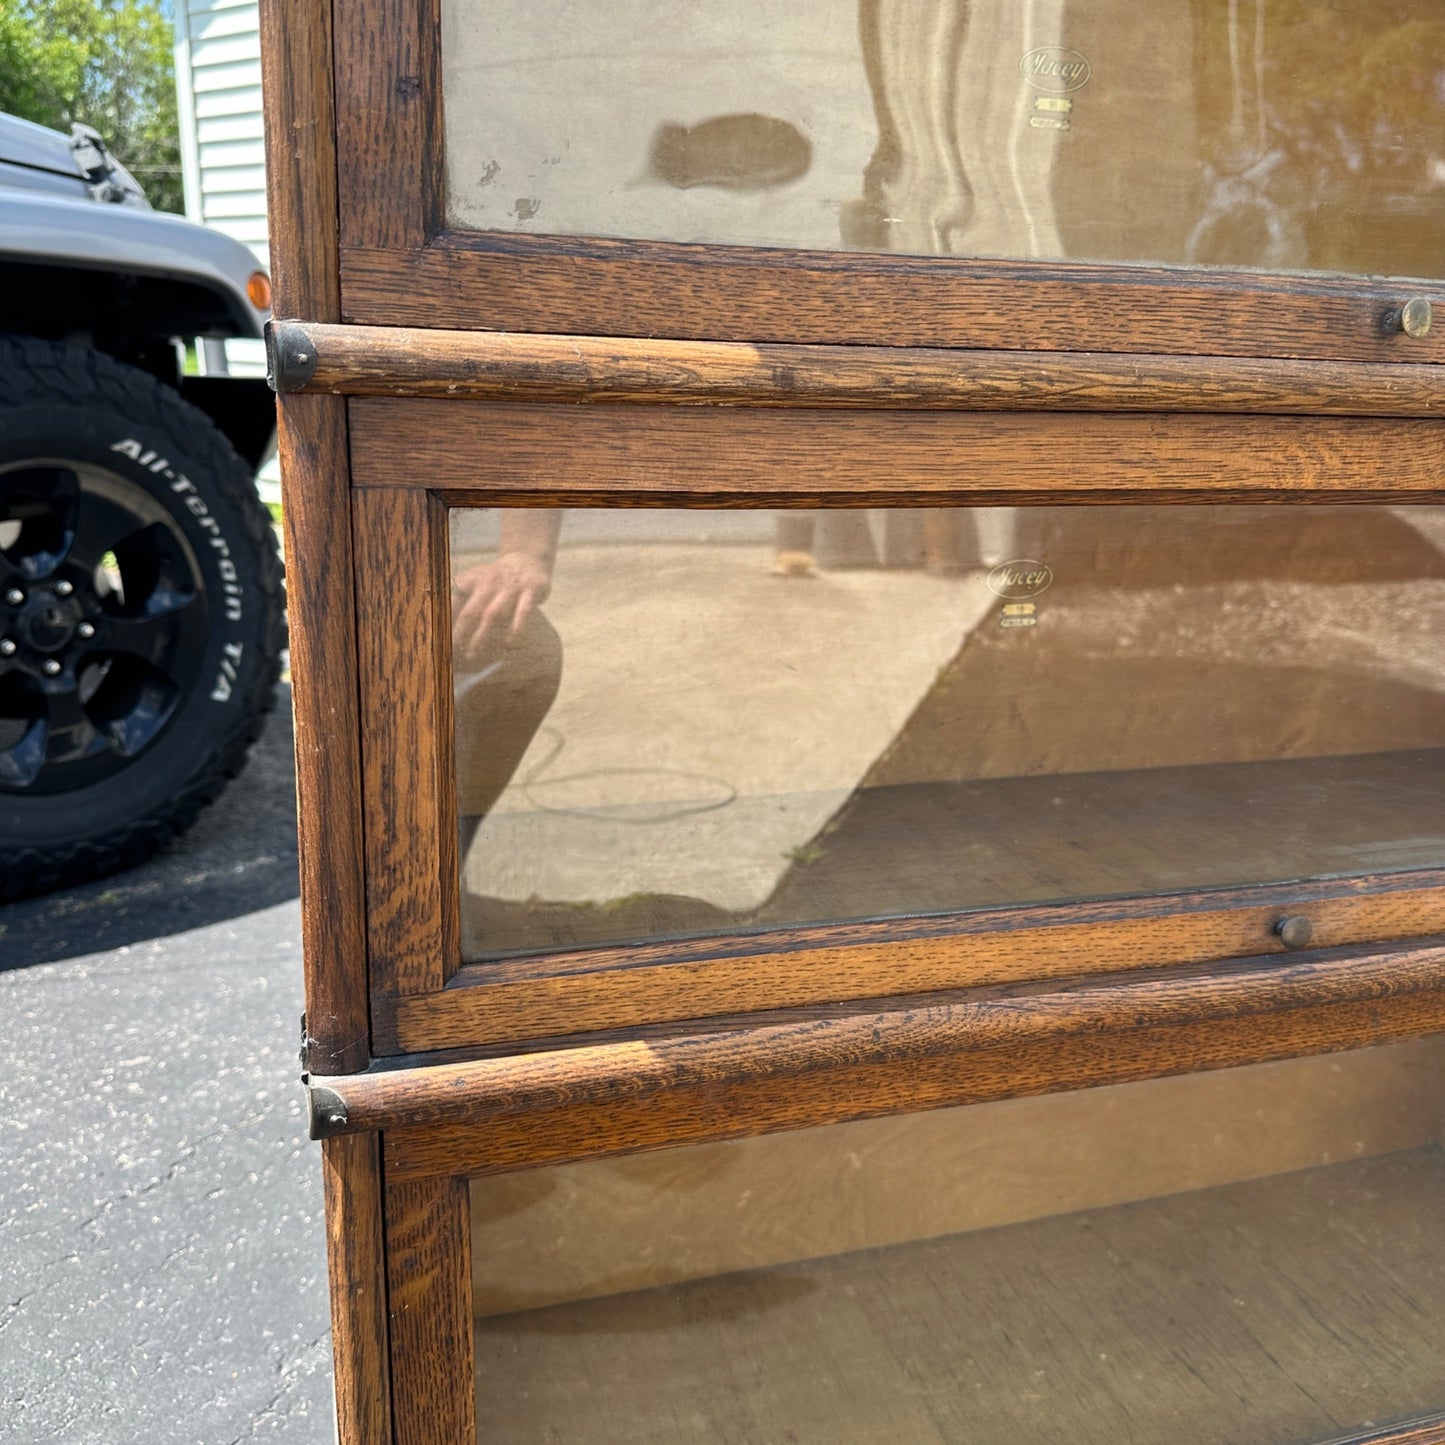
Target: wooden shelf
1303 1306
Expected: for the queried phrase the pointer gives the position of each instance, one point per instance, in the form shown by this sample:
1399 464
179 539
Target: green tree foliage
107 63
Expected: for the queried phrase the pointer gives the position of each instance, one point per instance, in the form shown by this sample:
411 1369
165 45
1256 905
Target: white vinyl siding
218 81
218 91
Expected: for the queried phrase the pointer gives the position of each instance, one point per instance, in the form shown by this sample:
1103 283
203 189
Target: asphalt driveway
162 1264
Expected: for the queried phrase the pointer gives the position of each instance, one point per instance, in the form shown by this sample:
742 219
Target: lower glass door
1255 1254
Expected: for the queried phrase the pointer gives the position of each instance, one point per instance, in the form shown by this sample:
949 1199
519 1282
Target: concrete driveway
162 1260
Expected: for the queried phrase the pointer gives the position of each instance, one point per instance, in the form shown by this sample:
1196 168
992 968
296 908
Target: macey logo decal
1023 577
1055 68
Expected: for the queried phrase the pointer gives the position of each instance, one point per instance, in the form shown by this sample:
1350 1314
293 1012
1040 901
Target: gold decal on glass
1055 68
1022 577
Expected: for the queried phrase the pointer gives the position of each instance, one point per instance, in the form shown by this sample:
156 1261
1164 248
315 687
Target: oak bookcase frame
762 378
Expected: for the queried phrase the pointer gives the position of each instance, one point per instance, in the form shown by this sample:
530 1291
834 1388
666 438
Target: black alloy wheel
103 620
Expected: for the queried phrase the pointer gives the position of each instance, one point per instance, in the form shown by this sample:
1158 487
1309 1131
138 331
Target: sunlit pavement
162 1264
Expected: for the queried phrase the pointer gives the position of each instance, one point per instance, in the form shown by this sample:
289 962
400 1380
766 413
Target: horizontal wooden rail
516 1003
896 1033
493 281
517 366
488 453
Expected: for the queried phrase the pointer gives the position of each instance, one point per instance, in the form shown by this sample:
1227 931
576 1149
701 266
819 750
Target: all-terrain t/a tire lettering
140 615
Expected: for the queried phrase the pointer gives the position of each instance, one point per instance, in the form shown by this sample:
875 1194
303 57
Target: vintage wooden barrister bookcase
865 609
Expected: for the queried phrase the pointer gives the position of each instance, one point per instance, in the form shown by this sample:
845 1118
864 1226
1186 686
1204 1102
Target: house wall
223 162
218 93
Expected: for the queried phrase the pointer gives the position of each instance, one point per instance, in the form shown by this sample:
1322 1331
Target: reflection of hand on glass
492 601
507 657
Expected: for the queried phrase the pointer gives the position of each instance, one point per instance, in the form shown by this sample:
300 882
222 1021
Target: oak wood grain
404 616
311 438
399 361
894 1032
300 157
429 1273
351 1177
483 453
1067 1060
494 282
1166 927
388 122
599 989
312 442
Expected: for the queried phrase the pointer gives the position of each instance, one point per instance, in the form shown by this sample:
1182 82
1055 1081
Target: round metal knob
1415 317
1294 931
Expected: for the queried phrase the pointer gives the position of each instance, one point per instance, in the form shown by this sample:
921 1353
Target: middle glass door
673 723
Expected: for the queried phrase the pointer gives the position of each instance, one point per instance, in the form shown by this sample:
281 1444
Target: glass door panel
673 723
1253 1254
1280 135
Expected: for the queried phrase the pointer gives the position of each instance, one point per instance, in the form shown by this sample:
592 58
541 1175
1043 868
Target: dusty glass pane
1251 1255
1262 133
673 722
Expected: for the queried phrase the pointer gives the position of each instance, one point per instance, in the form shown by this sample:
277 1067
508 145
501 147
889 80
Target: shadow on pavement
240 857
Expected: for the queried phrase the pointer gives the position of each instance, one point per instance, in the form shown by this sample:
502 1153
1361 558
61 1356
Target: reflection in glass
673 723
1251 1255
1263 133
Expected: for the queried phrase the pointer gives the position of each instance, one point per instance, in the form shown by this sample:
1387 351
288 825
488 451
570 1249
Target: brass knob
1294 931
1415 317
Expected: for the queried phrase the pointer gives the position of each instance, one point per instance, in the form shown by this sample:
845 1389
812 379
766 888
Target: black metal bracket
325 1108
325 1111
290 356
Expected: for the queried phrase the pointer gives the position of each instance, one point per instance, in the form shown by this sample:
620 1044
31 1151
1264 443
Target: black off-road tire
98 777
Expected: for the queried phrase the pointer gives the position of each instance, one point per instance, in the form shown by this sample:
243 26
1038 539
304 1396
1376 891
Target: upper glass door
1260 133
